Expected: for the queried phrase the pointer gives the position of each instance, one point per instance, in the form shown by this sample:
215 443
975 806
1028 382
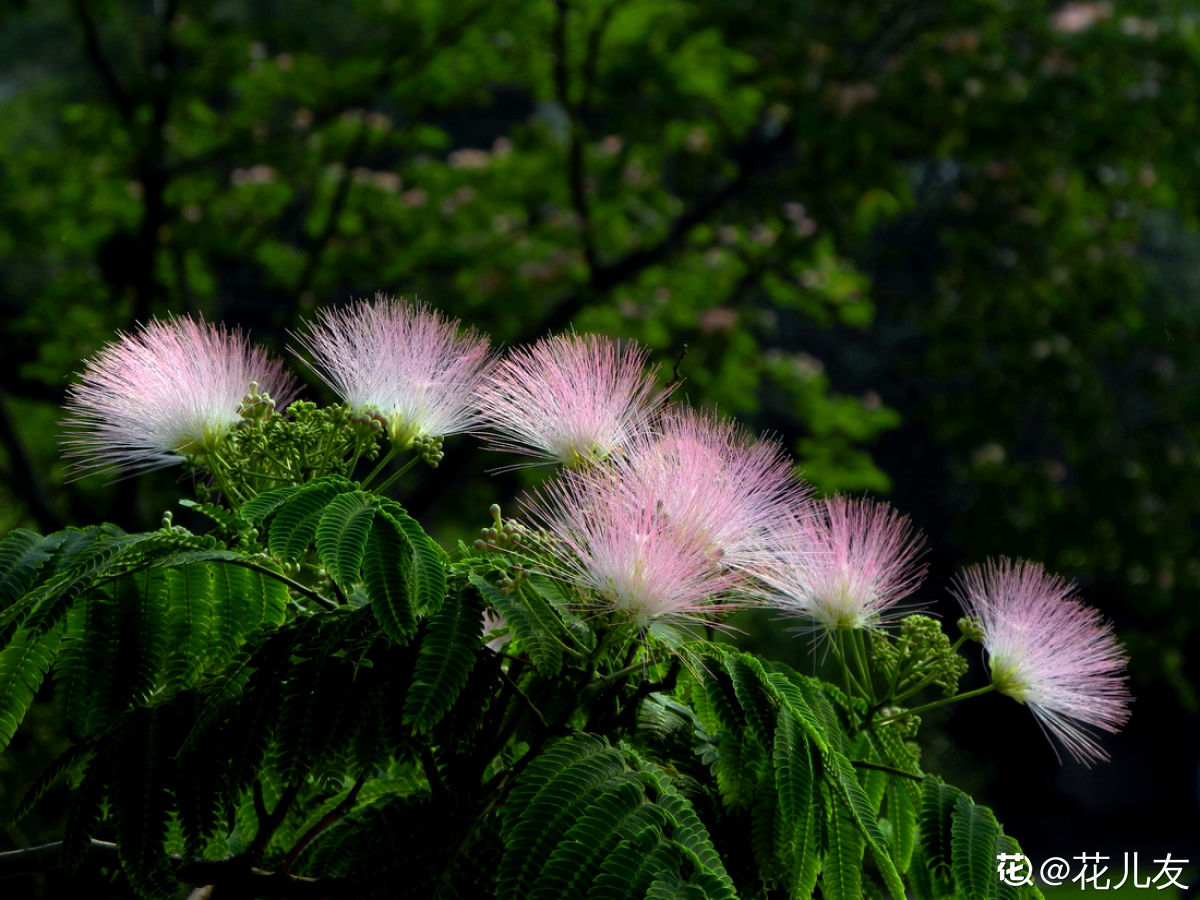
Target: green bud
971 629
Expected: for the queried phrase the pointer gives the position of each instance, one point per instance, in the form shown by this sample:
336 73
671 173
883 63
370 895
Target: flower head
403 361
1049 651
167 391
607 535
707 476
568 398
849 566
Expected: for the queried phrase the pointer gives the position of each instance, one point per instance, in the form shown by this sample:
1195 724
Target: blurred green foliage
942 248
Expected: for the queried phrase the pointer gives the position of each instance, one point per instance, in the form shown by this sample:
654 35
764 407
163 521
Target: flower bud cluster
919 656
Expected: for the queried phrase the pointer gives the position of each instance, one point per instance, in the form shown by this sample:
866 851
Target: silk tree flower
849 566
403 361
1049 651
568 398
708 477
607 535
167 391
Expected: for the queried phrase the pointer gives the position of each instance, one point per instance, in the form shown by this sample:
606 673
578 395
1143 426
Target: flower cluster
660 515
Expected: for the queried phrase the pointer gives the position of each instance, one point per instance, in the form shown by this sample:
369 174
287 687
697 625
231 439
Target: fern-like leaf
543 649
387 561
444 661
841 874
938 801
294 523
973 834
24 664
427 569
342 536
541 822
22 555
796 777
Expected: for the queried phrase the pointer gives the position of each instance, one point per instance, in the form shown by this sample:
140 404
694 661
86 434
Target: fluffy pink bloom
1049 651
568 398
402 360
608 536
850 566
709 478
169 390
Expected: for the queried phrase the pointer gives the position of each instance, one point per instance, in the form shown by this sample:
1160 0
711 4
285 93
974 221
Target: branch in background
754 157
576 138
318 245
267 829
234 875
91 40
328 819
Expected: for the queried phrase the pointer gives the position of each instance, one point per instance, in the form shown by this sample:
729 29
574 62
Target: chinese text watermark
1092 872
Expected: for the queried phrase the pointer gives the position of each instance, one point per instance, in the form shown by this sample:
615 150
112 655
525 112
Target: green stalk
391 479
916 710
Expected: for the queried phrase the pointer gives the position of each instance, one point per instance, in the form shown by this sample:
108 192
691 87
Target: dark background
945 250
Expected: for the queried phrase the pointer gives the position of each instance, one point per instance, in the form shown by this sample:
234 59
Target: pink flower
169 390
607 535
1047 650
711 479
850 566
402 360
568 398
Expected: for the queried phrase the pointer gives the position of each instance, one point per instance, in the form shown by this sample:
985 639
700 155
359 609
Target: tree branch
326 820
235 874
576 137
91 41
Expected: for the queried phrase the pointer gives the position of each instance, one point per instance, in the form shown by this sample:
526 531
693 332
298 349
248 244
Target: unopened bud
971 629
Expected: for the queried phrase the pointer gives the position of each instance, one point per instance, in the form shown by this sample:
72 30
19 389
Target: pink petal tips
851 567
608 536
568 398
403 361
711 478
169 390
1049 651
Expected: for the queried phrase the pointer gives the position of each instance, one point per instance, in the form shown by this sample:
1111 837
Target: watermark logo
1093 872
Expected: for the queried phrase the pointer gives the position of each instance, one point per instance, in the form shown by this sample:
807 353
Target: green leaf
294 523
554 788
142 805
861 809
259 508
342 536
796 779
841 874
444 660
973 834
387 563
938 801
189 607
427 570
903 817
23 667
545 652
22 555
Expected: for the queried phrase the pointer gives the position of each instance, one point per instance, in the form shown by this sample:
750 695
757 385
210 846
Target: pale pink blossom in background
850 566
569 398
170 389
1049 651
607 535
403 360
711 479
